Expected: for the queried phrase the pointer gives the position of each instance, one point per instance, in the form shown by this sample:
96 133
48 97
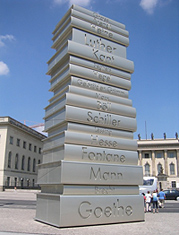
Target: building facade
20 152
160 158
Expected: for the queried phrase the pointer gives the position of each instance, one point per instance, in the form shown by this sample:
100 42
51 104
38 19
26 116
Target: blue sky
25 46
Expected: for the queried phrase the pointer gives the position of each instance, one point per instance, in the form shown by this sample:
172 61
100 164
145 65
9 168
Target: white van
149 184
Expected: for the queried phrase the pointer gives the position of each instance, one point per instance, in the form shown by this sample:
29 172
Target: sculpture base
81 210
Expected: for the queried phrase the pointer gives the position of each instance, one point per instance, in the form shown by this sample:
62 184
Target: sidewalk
18 221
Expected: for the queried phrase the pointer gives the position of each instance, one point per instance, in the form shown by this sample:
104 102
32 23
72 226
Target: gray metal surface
67 211
89 174
82 173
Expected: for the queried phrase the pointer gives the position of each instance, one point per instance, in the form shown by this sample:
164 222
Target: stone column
177 162
166 162
140 158
153 163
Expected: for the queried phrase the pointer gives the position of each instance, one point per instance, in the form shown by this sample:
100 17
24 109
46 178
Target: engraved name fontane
87 209
99 174
102 156
102 118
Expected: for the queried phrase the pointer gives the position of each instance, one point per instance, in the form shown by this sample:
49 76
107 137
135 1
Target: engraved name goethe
87 209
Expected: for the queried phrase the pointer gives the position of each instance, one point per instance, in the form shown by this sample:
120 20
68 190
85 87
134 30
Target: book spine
98 87
99 67
96 118
96 104
99 95
102 24
99 56
100 141
96 76
99 130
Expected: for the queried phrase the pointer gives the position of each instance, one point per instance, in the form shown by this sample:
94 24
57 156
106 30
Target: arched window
147 169
9 160
28 164
16 161
159 168
34 165
172 169
23 162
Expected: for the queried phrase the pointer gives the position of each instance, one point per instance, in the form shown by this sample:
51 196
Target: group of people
154 201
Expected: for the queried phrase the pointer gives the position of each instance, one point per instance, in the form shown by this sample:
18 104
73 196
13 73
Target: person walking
155 202
148 201
162 197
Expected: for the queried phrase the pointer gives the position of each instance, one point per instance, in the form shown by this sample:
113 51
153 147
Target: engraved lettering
87 209
107 175
98 44
104 190
101 57
84 213
103 142
100 87
102 97
102 156
101 76
103 119
103 106
102 31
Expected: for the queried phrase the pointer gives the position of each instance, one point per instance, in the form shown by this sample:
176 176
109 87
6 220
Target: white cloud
149 5
5 38
83 3
4 70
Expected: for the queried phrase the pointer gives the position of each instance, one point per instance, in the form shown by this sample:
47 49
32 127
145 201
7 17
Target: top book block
95 23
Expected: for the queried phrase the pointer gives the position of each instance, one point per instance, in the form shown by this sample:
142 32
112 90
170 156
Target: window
18 142
23 162
147 169
28 182
30 147
15 182
172 169
146 155
159 155
159 168
173 184
39 150
34 165
35 149
28 164
16 161
171 154
24 144
11 140
8 181
38 161
9 160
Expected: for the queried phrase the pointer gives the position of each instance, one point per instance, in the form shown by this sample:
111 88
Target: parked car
172 194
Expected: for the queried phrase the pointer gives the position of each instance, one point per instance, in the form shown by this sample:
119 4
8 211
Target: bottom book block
79 210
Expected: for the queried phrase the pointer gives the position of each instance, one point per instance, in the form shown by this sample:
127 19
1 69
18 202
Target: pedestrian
155 202
162 197
143 194
148 201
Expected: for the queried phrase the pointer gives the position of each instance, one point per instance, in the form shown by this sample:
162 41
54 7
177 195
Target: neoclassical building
20 152
160 158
